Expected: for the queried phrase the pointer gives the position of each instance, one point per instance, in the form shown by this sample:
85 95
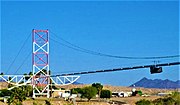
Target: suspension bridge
41 78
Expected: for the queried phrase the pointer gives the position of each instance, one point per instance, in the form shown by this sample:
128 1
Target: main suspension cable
78 48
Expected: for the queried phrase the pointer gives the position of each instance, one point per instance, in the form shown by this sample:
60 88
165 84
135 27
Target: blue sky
131 28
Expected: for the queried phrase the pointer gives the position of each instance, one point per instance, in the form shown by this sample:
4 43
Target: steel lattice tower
41 78
40 62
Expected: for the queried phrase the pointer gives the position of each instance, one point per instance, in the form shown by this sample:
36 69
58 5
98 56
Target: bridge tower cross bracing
40 63
41 78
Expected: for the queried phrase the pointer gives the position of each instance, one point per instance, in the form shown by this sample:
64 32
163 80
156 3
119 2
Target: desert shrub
165 101
173 99
34 103
176 97
158 101
169 101
144 102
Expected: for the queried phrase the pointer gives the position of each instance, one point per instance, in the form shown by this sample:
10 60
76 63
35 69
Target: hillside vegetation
123 88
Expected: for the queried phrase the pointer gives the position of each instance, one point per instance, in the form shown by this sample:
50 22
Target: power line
18 53
78 48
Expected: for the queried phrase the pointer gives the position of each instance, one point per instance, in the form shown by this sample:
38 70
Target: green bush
176 97
158 101
28 90
139 92
144 102
173 99
105 94
5 92
18 95
164 101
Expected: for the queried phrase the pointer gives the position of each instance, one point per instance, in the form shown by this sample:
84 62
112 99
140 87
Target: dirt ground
60 103
126 101
133 100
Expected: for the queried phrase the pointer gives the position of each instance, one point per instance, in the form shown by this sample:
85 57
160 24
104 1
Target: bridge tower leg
40 63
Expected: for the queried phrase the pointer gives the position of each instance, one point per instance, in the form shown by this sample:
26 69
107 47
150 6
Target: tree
99 87
2 73
144 102
176 97
105 94
9 78
173 99
89 92
5 92
9 84
158 101
169 101
28 90
26 76
165 101
17 96
76 90
30 73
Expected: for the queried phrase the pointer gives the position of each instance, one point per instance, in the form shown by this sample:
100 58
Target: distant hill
76 83
157 83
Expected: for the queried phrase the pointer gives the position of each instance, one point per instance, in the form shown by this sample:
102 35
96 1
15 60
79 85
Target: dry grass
133 100
3 85
122 88
128 100
58 102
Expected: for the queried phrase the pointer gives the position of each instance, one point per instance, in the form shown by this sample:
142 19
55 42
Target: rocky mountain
157 83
